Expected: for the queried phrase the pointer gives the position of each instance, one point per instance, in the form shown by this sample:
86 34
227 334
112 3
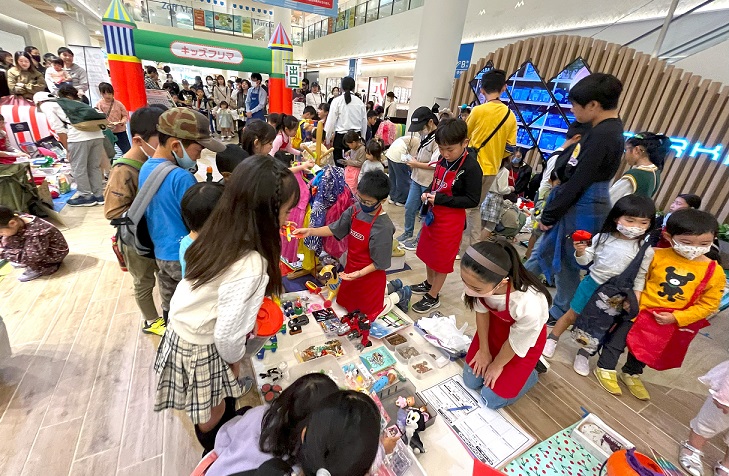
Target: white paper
92 59
490 435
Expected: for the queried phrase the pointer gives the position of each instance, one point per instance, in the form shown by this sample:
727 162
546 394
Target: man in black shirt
582 201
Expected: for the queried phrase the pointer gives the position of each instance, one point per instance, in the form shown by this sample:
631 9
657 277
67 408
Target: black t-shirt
467 186
186 96
595 159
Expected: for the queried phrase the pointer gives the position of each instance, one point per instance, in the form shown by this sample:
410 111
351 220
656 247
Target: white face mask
472 293
631 232
690 252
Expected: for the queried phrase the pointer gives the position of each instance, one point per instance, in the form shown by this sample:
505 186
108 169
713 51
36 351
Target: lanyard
443 184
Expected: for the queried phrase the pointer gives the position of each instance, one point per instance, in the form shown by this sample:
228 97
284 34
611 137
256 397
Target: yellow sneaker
635 385
396 250
609 380
157 327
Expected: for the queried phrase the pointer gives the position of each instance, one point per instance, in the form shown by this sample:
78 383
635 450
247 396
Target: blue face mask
185 161
368 208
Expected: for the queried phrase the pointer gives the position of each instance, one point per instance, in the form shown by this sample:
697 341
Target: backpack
82 116
614 301
132 225
18 190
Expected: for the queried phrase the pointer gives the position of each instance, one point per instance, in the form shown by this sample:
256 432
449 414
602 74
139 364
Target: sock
553 337
584 352
207 439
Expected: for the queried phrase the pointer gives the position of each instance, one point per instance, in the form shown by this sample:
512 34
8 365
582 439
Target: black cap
391 95
420 118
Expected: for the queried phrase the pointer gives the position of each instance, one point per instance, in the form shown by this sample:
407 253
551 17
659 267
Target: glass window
310 33
297 35
360 12
324 27
385 8
416 3
157 14
373 7
399 6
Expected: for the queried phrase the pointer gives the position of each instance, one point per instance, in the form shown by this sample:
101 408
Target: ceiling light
97 32
412 55
380 58
332 64
519 4
60 10
316 65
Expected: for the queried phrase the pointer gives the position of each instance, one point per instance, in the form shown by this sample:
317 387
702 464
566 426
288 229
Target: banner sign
353 68
199 17
464 59
293 75
319 7
208 53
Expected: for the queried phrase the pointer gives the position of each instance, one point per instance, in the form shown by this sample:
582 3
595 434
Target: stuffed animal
414 424
329 277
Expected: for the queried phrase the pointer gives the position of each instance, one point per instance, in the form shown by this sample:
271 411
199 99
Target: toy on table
582 236
287 231
269 320
388 379
270 392
422 367
377 359
330 347
355 325
357 377
293 308
271 345
329 277
322 315
407 352
393 432
276 373
405 404
414 424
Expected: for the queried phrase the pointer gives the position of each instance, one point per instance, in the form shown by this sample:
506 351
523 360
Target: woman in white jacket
214 308
315 97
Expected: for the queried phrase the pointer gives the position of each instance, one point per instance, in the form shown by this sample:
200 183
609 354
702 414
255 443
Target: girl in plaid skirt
493 204
231 266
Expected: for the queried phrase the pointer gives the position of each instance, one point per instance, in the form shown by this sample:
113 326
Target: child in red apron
456 186
512 307
369 253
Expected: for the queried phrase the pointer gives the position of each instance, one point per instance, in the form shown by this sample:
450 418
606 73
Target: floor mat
60 202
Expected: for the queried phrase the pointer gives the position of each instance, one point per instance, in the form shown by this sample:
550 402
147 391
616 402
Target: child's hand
308 164
301 233
480 362
412 163
664 318
389 443
724 409
580 247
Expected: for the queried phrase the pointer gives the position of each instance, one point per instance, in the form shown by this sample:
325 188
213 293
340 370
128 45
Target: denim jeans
412 206
492 400
399 181
566 281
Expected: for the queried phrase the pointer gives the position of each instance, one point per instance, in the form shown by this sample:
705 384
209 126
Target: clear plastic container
328 365
317 347
422 366
393 340
404 352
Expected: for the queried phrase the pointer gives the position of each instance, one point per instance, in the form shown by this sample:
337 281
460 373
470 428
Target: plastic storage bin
404 389
327 364
418 366
404 352
394 340
318 347
592 428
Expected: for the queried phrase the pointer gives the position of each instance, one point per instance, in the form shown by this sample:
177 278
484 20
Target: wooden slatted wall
658 97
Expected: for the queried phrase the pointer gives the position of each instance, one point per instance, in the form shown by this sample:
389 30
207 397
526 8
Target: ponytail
285 121
657 146
496 259
348 86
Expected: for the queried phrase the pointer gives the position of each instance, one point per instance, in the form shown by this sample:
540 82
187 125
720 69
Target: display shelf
547 128
534 103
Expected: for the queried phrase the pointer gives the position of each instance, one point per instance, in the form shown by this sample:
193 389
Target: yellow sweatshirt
672 280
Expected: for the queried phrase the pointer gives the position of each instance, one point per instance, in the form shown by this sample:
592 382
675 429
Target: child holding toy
215 306
512 307
197 205
683 288
611 252
370 233
31 243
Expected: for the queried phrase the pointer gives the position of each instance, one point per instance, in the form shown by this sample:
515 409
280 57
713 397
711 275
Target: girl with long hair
346 113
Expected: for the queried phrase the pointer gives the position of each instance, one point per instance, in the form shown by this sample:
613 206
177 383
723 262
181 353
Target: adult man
78 74
36 57
151 79
492 131
305 87
183 134
256 99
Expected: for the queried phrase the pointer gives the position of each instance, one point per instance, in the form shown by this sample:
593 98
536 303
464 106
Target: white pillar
37 38
438 47
75 33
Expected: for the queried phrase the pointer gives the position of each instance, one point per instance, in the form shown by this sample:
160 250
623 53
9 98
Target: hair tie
485 262
323 472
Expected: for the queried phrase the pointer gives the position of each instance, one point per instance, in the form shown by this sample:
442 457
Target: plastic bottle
209 174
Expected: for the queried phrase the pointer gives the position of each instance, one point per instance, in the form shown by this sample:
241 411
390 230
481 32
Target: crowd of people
457 174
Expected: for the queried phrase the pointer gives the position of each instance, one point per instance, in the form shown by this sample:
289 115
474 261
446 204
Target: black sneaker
421 288
542 365
426 304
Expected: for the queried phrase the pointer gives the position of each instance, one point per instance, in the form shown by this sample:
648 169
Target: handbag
663 347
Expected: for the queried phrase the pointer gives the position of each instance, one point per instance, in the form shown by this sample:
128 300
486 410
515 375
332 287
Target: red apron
368 292
517 371
439 242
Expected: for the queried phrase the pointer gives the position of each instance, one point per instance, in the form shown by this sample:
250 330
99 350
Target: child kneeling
32 243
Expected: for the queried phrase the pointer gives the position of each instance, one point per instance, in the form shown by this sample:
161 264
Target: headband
485 262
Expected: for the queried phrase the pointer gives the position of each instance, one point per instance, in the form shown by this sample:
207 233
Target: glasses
367 204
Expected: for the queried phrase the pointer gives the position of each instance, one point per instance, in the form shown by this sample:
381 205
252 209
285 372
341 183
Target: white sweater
223 311
612 256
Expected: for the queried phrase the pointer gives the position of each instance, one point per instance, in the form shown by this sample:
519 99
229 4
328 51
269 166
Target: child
225 120
511 312
646 153
257 137
286 128
373 153
117 115
197 205
215 305
306 125
119 194
264 432
57 76
369 254
493 204
610 253
672 279
354 158
713 418
456 186
31 243
681 202
200 103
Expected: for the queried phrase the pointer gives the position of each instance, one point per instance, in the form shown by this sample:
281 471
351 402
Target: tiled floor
76 397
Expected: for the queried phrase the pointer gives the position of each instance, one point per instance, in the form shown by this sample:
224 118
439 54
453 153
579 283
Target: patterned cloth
492 207
192 377
330 184
39 246
587 214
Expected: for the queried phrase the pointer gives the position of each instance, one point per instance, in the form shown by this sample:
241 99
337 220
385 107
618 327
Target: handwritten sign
207 53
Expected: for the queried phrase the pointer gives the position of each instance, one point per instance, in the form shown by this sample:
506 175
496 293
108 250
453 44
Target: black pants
339 149
614 347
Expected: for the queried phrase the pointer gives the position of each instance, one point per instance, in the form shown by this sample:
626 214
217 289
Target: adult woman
346 113
645 153
334 94
511 312
23 79
315 97
6 60
221 91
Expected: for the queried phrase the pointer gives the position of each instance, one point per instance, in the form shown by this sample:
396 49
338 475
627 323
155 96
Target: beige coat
25 83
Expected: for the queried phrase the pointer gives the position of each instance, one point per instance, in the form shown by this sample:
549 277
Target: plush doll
414 424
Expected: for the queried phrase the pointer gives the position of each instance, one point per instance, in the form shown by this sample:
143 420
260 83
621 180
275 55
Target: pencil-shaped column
282 52
125 69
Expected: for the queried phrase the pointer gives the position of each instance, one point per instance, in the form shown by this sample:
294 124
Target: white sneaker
549 348
582 365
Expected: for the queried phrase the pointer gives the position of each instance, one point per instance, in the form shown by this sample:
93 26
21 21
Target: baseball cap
420 118
185 123
41 96
391 95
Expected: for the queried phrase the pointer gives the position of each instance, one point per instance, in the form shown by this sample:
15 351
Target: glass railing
359 14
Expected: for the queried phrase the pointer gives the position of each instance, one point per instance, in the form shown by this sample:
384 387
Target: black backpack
612 302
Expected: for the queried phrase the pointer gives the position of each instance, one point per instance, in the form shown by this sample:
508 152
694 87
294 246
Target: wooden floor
76 397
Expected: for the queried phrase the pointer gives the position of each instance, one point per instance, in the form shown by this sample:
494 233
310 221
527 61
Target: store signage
293 75
208 53
353 68
464 59
319 7
684 147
